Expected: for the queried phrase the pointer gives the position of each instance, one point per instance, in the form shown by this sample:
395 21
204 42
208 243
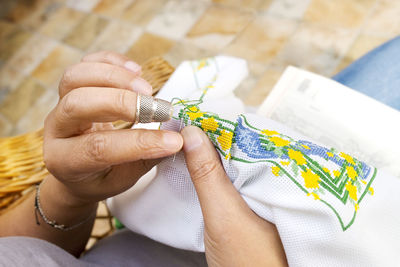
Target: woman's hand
81 149
234 235
88 159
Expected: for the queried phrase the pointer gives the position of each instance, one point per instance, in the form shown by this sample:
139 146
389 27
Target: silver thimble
150 109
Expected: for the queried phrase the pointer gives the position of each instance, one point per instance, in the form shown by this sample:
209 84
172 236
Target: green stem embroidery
335 185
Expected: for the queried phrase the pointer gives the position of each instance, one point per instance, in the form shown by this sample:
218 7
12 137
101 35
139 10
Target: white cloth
311 193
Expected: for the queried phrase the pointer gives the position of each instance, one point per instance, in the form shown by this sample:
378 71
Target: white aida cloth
330 209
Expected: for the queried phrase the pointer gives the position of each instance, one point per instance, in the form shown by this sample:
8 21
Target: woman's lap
376 74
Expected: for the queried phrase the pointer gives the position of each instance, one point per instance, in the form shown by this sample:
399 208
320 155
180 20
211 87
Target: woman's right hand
90 160
233 234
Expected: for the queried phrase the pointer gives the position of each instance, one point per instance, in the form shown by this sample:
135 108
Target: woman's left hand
90 160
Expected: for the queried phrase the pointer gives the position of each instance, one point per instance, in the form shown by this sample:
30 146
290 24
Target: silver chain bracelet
54 224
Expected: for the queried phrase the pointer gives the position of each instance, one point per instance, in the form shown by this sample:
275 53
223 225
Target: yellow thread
356 207
347 157
202 64
285 163
195 115
181 102
225 139
316 196
297 156
275 170
326 170
279 142
310 179
209 124
352 189
330 154
193 109
351 172
336 173
268 132
371 190
306 147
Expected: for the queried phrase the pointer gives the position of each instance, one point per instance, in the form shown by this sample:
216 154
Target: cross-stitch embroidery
333 178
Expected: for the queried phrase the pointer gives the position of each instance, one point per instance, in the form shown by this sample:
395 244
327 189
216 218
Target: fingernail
134 67
192 138
172 140
139 85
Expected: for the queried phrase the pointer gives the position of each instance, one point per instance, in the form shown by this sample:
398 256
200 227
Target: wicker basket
21 159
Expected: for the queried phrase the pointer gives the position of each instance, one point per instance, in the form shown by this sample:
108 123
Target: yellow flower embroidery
202 64
336 173
351 172
228 156
306 147
310 179
297 156
268 132
316 196
352 189
225 139
347 157
285 163
275 170
371 190
193 109
356 207
330 154
195 115
326 170
209 124
279 141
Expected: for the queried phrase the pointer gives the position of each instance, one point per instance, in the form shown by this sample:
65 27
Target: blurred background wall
40 38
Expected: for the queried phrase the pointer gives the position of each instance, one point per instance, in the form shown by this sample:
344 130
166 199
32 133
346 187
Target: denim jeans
376 74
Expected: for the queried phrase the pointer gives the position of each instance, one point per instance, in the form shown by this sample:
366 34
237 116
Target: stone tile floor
40 38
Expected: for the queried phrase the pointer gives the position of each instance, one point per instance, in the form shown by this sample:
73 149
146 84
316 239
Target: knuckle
120 104
204 170
144 141
69 104
107 55
48 120
48 159
96 145
68 76
148 143
86 58
123 104
112 57
111 76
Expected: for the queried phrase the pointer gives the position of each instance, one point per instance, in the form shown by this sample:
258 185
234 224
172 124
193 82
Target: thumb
217 195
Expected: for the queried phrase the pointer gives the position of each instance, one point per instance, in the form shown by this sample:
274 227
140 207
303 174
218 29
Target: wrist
60 205
61 194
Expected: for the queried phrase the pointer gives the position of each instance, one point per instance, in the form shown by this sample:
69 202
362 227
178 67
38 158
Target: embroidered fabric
328 206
